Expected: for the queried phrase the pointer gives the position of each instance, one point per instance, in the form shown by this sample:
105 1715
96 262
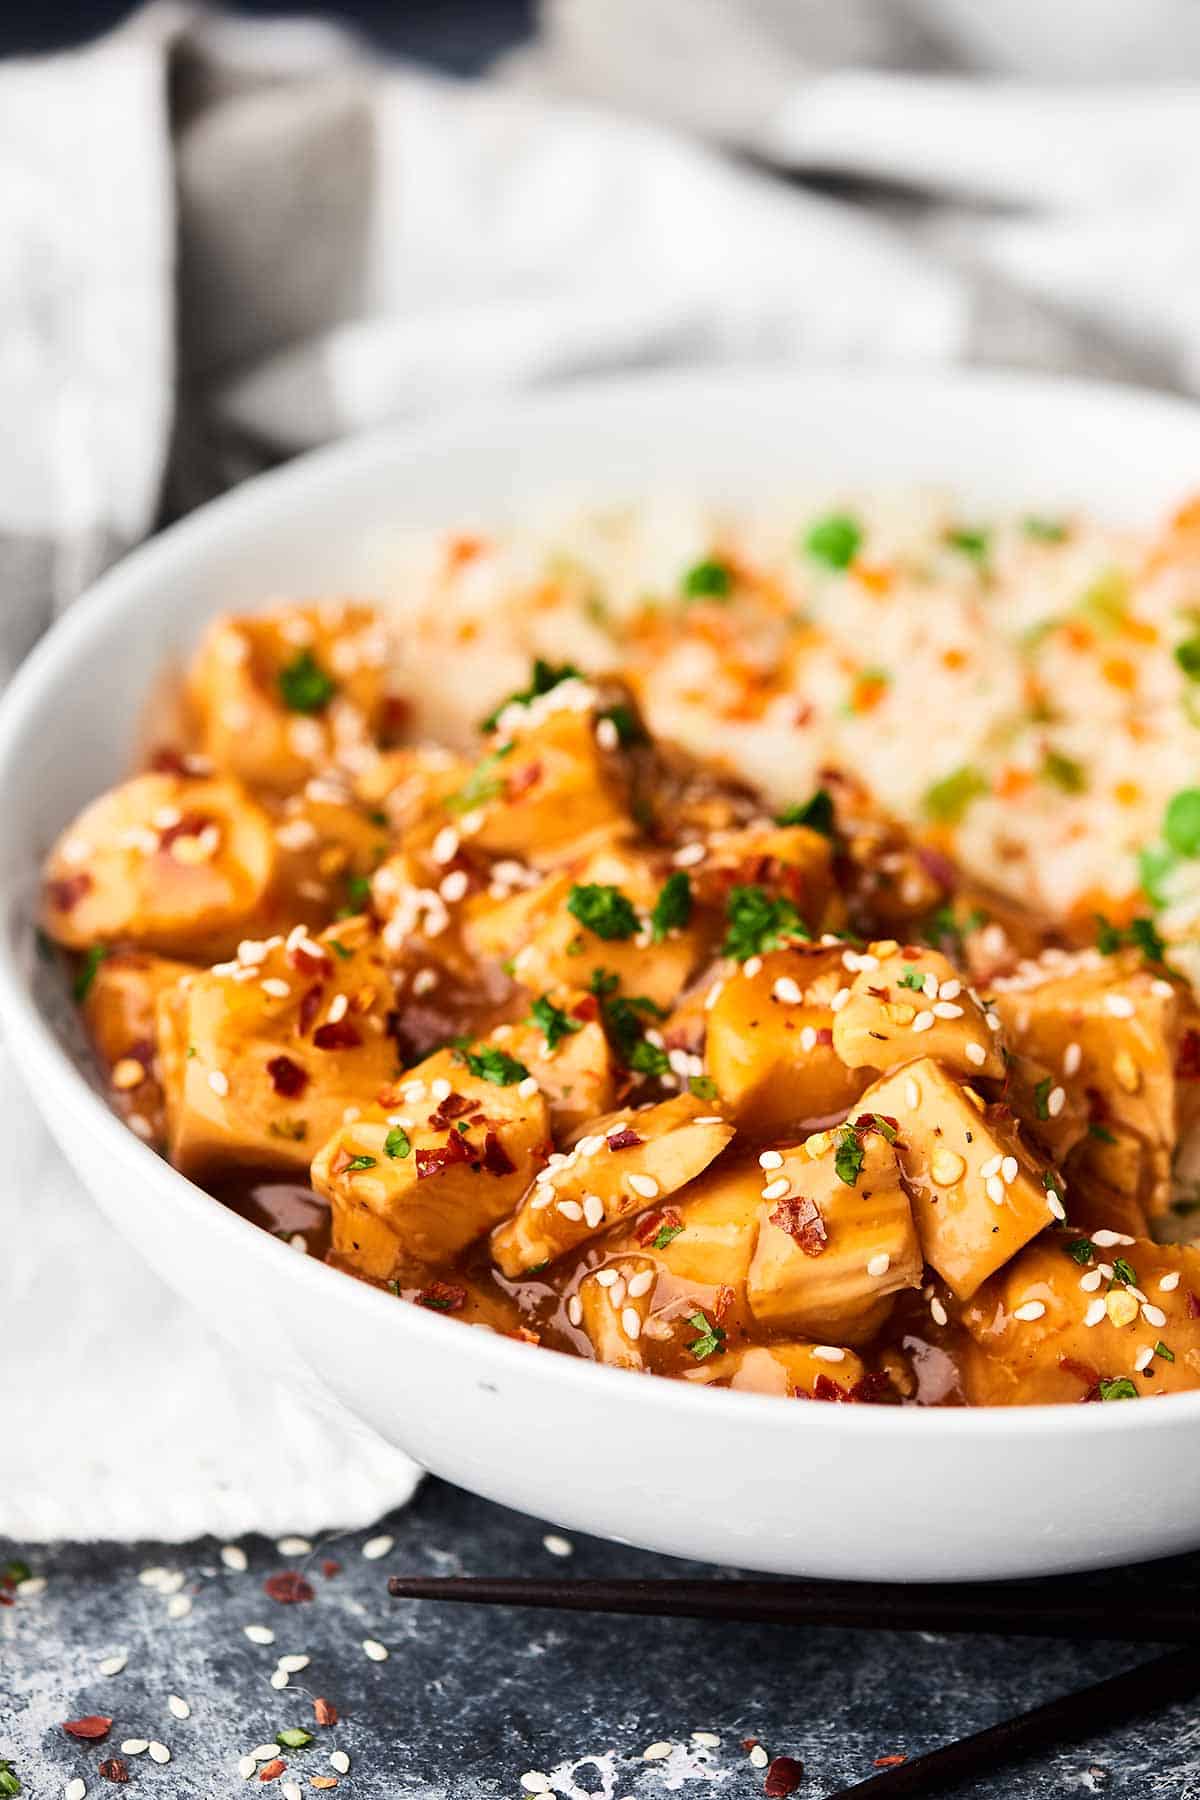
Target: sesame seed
374 1651
993 1022
292 1665
758 1757
787 991
929 987
1009 1170
1056 1099
1119 1005
1032 1309
557 1545
290 1790
945 1009
605 1277
708 1740
828 1353
445 845
912 1095
808 1038
337 1758
993 1187
279 1678
245 1766
178 1709
112 1665
158 1752
656 1752
631 1322
1095 1312
533 1781
265 1752
923 1021
713 995
775 1190
616 1294
575 1310
1055 1205
293 1546
839 1000
75 1789
1072 1057
1106 1239
641 1284
218 1081
752 966
879 1264
991 1167
644 1186
1153 1315
259 1634
976 1054
127 1073
440 1088
376 1547
453 886
1144 1358
607 735
688 855
1168 1283
275 987
593 1211
770 1159
527 1087
135 1746
179 1606
1091 1281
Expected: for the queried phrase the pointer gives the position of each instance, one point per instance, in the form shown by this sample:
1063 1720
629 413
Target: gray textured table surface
469 1699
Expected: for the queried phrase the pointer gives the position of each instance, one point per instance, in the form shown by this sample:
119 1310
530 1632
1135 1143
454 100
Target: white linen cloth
223 243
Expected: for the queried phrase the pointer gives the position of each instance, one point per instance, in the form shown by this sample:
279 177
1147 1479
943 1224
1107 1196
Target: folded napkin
223 242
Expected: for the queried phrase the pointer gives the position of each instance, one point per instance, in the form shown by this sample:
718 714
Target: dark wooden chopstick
1083 1714
1045 1609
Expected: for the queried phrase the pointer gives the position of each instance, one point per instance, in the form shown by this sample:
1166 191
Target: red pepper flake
66 894
496 1159
451 1108
1080 1370
1193 1305
749 1744
167 760
309 961
270 1770
287 1077
650 1224
879 993
801 1218
826 1388
723 1302
329 1568
287 1587
825 1035
783 1777
587 1009
92 1725
872 1389
889 1762
115 1768
1187 1063
324 1711
337 1034
433 1162
310 1006
442 1296
625 1139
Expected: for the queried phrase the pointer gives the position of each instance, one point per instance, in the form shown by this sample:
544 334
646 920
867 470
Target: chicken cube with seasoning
282 695
261 1056
906 1001
119 992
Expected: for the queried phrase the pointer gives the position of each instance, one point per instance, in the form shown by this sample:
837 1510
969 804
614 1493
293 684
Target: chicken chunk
596 923
415 1179
789 863
769 1046
546 794
978 1195
1068 1321
1120 1034
614 1304
120 994
623 1164
171 863
836 1238
564 1046
282 694
906 1002
260 1057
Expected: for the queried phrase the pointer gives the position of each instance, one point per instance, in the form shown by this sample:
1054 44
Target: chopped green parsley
757 923
1041 1097
703 1087
552 1021
969 542
1118 1388
817 813
397 1144
543 678
1160 1349
625 723
1181 823
914 979
665 1234
93 956
1124 1272
1187 655
1064 772
673 908
947 800
848 1156
304 685
359 1162
484 783
604 911
1081 1250
495 1065
1044 531
711 1339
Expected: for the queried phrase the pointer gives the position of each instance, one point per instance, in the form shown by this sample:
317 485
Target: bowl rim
268 498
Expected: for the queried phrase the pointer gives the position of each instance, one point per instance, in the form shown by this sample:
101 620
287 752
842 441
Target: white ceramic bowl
759 1482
